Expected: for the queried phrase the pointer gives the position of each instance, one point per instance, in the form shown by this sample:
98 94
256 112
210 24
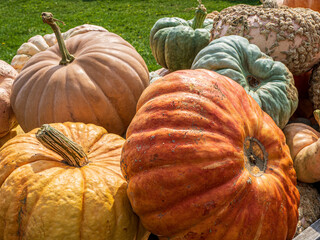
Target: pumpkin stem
47 18
54 140
316 114
200 16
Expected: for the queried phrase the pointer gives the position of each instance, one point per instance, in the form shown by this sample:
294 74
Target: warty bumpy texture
289 35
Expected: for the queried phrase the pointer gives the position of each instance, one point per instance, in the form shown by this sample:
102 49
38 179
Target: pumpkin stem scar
54 140
47 18
252 81
256 157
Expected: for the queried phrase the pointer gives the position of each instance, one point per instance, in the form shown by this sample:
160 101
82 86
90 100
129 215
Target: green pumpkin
269 82
175 42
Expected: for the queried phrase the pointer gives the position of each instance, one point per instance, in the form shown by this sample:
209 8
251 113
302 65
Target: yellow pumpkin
63 181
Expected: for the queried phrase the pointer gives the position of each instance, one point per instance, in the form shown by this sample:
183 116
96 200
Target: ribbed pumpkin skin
41 197
40 43
174 43
101 86
272 83
185 163
289 35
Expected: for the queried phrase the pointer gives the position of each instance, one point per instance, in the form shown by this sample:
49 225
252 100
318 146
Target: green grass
131 19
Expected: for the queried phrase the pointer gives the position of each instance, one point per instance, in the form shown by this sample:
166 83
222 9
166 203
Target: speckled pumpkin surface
269 82
203 161
43 197
175 42
289 35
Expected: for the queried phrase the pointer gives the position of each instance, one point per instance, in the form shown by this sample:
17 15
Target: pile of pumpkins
93 146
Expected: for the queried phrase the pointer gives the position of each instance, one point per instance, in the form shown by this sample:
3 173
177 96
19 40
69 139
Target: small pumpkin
203 161
94 77
174 42
304 144
269 82
63 181
40 43
288 35
7 117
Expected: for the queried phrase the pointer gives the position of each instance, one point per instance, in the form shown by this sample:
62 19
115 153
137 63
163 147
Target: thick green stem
54 140
200 16
48 19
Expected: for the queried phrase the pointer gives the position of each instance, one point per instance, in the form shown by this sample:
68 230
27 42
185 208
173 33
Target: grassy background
131 19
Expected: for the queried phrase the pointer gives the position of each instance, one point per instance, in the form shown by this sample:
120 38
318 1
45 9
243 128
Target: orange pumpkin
7 118
97 79
304 144
203 161
64 184
312 4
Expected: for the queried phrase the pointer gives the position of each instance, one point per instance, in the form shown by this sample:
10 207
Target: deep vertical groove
56 175
102 93
82 207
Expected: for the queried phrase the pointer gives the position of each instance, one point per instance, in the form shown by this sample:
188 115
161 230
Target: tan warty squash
289 35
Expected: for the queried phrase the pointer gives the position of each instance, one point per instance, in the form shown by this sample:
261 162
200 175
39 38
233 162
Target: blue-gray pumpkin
175 42
269 82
